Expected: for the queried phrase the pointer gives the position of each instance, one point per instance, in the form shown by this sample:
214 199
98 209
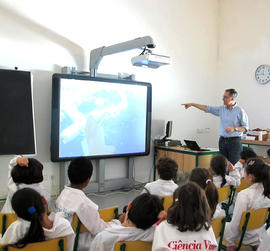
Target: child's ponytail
266 180
219 165
223 180
28 205
211 195
203 178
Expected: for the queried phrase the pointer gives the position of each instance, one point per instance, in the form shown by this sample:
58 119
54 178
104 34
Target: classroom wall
43 36
244 44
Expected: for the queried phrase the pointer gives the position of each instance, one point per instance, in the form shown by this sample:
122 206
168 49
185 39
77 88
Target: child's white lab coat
72 201
13 187
61 227
161 187
106 240
168 237
249 198
219 212
265 243
239 166
233 179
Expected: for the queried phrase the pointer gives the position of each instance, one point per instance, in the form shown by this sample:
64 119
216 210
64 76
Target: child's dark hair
80 169
261 172
167 168
190 210
28 174
246 154
219 165
204 179
268 153
144 210
28 205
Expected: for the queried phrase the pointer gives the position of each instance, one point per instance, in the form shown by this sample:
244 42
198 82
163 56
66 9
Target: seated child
23 173
33 223
244 156
218 167
73 200
256 196
188 222
204 179
142 214
166 171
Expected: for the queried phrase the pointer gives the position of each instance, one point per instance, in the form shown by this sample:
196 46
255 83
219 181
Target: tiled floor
115 198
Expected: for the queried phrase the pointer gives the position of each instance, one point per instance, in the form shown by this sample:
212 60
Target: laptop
192 145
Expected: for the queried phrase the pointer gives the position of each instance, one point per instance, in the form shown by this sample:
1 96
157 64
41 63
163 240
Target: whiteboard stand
101 185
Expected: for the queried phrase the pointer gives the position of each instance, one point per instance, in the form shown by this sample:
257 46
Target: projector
150 60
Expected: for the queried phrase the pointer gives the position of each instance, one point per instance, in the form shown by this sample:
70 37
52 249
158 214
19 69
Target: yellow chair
106 214
58 244
251 219
243 185
6 220
166 202
218 226
133 246
224 193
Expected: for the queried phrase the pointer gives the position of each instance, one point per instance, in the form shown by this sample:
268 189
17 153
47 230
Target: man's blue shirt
229 117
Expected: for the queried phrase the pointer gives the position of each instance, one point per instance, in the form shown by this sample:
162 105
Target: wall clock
262 74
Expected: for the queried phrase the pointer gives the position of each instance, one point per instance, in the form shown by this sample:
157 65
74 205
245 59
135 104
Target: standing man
233 122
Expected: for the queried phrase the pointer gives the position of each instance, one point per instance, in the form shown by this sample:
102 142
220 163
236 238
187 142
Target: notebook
192 145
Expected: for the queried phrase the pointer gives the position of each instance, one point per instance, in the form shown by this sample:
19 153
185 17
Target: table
184 157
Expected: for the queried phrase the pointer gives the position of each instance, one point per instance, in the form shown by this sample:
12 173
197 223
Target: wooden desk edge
256 142
182 149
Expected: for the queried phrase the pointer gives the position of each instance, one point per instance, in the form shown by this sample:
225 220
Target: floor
114 198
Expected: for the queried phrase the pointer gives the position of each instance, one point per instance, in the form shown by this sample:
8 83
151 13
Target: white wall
43 36
244 44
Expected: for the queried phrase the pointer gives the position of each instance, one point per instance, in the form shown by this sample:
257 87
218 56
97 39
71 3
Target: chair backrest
77 225
243 185
224 193
133 246
166 201
106 214
6 220
218 226
253 219
58 244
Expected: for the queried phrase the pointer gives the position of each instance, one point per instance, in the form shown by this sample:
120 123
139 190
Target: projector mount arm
97 54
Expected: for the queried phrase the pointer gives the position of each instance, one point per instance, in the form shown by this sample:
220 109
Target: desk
256 142
185 158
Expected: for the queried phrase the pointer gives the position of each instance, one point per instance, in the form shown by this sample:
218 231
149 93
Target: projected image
97 118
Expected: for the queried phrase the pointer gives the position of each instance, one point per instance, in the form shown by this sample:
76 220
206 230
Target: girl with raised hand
219 167
24 172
